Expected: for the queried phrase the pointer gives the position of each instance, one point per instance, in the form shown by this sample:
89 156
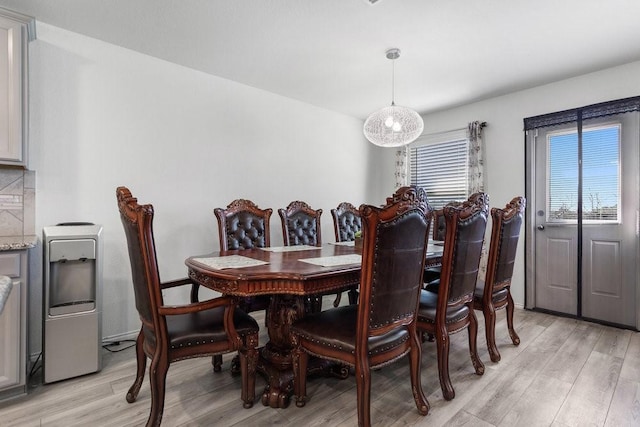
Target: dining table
293 276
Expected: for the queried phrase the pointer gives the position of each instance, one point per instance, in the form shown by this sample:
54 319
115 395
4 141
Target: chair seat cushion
498 296
336 328
431 274
206 327
428 305
433 286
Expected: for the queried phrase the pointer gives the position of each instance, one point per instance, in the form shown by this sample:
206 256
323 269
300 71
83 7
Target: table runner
231 261
331 261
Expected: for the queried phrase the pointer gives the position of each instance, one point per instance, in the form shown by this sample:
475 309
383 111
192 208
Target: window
601 174
439 164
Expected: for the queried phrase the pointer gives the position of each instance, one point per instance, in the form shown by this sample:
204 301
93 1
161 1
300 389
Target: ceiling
331 53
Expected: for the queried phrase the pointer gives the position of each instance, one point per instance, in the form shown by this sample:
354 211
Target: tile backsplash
17 202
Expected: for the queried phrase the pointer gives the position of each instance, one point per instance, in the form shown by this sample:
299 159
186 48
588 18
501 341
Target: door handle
541 227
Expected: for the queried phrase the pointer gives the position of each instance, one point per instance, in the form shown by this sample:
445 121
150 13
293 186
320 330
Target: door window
601 175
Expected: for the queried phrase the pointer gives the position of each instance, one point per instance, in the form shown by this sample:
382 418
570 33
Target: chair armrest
169 310
174 283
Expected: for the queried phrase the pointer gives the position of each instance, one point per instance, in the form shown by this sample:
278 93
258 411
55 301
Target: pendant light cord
393 82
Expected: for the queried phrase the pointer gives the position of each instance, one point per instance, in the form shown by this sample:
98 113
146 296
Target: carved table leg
275 357
275 362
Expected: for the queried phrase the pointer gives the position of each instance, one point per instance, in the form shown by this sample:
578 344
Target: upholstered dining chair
381 328
242 225
432 274
346 223
495 291
439 224
450 310
171 333
300 224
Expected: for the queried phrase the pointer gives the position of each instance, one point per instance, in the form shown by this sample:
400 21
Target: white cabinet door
13 326
11 91
16 30
10 340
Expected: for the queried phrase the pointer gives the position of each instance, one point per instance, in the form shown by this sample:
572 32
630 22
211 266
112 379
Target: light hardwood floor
564 373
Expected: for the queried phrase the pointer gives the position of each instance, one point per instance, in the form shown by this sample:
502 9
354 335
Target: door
586 202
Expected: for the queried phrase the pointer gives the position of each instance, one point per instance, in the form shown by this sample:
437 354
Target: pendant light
393 126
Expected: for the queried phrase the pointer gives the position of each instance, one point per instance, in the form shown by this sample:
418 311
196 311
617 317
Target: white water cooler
72 300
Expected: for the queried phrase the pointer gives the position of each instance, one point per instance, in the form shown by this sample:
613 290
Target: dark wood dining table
291 275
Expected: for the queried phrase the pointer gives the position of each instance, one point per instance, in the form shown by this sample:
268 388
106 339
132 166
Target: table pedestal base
279 389
275 361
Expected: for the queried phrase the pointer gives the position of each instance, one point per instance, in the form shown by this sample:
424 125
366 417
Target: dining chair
432 274
243 225
171 333
494 292
346 223
300 224
439 224
381 328
450 309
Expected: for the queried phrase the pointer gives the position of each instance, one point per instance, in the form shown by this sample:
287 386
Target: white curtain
402 167
476 157
476 177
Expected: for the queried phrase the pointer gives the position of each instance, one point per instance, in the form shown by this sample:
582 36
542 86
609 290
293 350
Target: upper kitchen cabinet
16 31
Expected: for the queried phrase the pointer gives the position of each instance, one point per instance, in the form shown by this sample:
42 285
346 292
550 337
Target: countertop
12 243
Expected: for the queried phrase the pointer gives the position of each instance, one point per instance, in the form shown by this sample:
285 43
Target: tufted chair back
346 222
439 224
300 224
242 225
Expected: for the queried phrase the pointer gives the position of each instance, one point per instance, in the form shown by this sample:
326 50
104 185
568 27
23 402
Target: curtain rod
482 125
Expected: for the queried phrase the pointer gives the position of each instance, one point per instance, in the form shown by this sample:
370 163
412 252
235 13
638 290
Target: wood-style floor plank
590 397
564 373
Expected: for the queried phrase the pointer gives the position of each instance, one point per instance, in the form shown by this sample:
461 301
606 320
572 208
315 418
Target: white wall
504 135
185 141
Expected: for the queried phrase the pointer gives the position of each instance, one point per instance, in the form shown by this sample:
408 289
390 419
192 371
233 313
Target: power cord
108 345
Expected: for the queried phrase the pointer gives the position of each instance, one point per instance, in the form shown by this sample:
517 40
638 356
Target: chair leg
141 366
248 362
515 339
489 313
314 303
216 361
363 390
194 292
473 341
353 296
300 361
442 347
157 378
336 302
415 358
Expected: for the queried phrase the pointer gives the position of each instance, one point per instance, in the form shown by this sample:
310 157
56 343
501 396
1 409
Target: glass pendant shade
393 126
